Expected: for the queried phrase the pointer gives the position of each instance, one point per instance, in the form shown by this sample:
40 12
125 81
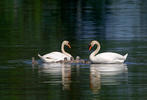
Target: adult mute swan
57 56
106 57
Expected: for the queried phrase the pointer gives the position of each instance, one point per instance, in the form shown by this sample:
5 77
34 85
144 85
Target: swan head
77 58
72 58
65 59
92 43
66 43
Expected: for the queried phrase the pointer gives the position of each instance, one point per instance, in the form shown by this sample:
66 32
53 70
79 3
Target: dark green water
29 27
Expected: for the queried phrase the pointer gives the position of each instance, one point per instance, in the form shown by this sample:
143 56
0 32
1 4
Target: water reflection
106 74
57 70
95 82
54 69
66 76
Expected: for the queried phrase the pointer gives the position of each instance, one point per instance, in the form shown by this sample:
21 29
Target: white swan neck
96 50
63 51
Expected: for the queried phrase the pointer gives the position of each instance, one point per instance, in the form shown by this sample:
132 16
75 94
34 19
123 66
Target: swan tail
125 56
39 55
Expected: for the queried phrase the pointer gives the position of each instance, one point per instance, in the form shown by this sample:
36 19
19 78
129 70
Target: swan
57 56
106 57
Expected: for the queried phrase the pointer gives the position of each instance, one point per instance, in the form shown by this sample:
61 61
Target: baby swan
63 61
75 61
87 62
78 60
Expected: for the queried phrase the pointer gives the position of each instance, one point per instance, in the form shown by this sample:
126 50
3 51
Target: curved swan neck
96 50
63 51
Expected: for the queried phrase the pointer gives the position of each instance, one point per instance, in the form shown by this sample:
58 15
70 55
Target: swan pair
106 57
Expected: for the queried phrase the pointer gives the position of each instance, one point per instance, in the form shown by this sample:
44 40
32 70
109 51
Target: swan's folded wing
55 56
108 57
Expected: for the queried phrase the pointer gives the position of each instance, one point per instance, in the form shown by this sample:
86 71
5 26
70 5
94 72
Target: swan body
106 57
56 56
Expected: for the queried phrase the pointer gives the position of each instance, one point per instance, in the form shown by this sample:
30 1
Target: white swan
57 56
106 57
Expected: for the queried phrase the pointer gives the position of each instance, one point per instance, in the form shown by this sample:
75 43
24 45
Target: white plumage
106 57
56 56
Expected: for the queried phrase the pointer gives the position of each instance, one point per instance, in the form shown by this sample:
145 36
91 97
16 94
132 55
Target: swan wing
109 57
55 55
46 59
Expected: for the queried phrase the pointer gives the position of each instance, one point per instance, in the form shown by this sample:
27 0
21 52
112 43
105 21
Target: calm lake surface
29 27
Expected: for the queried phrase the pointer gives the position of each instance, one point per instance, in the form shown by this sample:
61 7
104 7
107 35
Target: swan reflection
54 69
95 80
106 74
66 76
57 71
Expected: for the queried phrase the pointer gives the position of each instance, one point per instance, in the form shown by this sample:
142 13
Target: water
31 27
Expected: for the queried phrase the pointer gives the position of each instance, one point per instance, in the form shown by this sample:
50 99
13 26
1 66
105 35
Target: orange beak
90 48
69 45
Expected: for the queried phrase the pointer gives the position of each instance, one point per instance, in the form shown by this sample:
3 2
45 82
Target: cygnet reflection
107 74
